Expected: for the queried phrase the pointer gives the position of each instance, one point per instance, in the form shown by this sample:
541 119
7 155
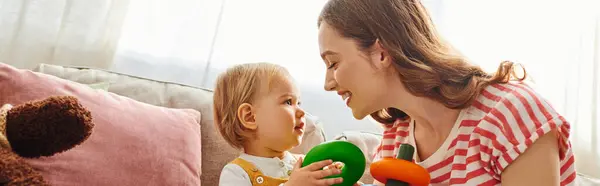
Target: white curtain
63 32
191 41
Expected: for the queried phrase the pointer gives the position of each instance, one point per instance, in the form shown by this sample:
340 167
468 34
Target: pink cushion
133 143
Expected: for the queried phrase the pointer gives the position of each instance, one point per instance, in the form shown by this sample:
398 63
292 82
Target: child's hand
313 175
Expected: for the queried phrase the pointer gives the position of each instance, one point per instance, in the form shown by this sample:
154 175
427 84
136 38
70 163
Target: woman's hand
335 165
358 183
313 174
375 183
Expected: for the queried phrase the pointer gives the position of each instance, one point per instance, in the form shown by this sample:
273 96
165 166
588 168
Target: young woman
385 59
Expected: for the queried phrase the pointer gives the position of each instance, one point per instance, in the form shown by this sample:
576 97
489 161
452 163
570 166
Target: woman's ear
246 115
380 55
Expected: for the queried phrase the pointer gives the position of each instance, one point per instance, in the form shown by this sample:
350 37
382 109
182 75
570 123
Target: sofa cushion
132 143
100 86
215 151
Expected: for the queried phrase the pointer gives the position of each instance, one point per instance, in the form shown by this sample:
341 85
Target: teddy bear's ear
49 126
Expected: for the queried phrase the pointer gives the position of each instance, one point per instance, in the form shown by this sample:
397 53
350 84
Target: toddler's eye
289 101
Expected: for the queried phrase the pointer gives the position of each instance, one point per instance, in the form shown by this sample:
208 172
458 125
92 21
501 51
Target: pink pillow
133 143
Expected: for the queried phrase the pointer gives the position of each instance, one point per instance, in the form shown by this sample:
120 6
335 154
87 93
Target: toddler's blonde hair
237 85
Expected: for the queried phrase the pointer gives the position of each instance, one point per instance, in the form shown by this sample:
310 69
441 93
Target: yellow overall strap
255 175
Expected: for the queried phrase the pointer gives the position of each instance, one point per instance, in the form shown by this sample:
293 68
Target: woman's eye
331 65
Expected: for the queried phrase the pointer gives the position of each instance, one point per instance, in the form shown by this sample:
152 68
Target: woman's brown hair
427 65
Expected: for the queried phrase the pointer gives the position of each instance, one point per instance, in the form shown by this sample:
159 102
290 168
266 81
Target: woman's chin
362 113
358 114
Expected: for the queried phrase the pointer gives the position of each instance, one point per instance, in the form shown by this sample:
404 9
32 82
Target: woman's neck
255 149
432 117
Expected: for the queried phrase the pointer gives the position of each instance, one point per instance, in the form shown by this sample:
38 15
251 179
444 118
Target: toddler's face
279 117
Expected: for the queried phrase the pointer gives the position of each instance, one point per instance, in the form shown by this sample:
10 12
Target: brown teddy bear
39 128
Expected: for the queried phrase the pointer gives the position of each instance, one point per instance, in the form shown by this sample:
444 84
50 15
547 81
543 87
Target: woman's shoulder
513 101
507 119
514 115
512 91
512 104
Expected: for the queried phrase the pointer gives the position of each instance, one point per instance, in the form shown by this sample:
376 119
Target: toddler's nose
300 113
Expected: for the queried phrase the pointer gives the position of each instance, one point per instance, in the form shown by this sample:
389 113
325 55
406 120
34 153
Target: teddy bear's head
44 127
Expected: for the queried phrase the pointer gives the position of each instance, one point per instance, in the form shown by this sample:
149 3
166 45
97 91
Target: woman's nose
330 82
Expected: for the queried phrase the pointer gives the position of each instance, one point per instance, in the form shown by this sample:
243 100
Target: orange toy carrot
400 171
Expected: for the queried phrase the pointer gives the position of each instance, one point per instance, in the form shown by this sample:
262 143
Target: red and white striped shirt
503 121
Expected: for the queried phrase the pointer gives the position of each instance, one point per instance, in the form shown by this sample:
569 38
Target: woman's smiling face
357 76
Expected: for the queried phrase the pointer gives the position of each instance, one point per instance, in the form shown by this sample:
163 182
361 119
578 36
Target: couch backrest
215 151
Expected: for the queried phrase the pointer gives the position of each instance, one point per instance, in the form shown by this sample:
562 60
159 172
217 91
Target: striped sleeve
516 117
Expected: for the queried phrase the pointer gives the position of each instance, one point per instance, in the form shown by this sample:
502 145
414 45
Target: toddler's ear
246 116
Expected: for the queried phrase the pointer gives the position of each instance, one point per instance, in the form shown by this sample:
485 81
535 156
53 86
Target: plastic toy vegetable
400 171
339 151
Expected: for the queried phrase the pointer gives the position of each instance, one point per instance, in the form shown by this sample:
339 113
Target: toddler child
257 110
